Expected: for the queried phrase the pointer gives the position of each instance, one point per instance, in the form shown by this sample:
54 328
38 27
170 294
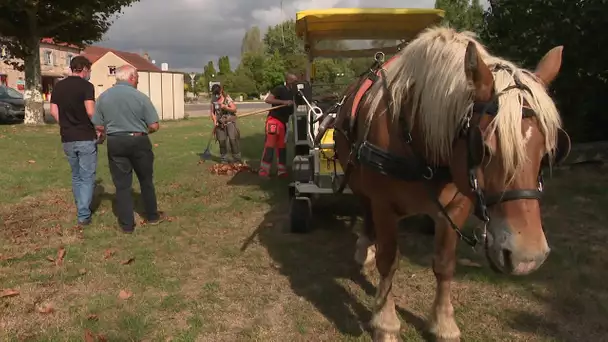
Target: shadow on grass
101 195
569 290
317 264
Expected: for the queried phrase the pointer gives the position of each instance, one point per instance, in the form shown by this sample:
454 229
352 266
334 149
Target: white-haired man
126 116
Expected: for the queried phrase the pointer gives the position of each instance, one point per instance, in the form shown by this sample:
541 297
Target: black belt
127 134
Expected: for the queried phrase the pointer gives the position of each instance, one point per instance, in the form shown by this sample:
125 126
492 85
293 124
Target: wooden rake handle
259 111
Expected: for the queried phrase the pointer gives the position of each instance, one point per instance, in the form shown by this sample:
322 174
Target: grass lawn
226 269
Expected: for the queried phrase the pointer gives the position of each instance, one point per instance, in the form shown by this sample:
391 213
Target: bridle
471 131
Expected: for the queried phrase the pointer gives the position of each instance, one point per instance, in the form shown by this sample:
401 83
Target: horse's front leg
385 322
442 323
365 253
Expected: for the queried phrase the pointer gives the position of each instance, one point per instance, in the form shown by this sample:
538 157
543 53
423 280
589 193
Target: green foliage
254 65
240 83
209 71
274 70
223 65
24 22
282 38
252 42
462 14
525 31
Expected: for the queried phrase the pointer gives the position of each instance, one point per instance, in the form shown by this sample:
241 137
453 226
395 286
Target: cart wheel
300 215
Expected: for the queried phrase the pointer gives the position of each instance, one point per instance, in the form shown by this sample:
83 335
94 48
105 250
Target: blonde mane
429 72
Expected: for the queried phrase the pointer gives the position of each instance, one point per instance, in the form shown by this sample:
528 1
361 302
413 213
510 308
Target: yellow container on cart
327 164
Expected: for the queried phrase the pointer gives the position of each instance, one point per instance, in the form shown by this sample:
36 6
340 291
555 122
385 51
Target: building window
69 58
112 70
48 57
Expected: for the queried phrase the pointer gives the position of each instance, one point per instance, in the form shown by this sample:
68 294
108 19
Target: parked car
12 105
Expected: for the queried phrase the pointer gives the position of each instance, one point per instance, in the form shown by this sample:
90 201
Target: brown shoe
159 220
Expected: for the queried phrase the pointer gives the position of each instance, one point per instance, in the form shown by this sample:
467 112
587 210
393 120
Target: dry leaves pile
229 169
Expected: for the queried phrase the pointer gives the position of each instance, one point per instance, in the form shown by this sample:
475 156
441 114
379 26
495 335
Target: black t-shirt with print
69 95
281 92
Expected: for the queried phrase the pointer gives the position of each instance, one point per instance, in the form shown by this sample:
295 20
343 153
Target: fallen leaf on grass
8 293
31 161
60 256
50 258
127 261
124 294
108 253
82 271
89 336
92 317
46 309
155 145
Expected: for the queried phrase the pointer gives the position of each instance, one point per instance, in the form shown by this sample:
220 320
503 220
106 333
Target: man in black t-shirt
72 106
276 125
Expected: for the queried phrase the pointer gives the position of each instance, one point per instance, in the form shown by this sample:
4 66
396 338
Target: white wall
166 91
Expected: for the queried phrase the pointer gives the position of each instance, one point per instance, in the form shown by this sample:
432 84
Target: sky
187 34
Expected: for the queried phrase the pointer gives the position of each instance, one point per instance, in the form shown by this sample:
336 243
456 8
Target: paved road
200 109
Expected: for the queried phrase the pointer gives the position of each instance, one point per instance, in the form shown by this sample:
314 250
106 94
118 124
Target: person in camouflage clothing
223 114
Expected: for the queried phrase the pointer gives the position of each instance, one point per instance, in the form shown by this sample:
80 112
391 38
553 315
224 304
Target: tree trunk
34 103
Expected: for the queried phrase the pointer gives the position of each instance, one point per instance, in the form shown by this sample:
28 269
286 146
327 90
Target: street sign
192 76
211 83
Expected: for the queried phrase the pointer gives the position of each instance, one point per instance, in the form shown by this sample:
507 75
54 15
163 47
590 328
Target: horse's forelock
430 70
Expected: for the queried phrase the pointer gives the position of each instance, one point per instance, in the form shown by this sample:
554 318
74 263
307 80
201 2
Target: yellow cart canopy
362 24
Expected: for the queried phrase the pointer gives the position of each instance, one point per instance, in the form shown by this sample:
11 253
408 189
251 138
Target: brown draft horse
441 129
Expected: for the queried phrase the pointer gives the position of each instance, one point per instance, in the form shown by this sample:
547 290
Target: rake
207 154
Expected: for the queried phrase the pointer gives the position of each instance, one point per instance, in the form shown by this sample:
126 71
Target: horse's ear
478 74
549 65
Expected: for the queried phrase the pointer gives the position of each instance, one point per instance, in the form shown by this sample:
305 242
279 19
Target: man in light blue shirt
126 116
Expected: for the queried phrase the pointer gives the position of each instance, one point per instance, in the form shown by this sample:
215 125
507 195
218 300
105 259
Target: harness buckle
428 174
480 234
408 137
379 57
473 182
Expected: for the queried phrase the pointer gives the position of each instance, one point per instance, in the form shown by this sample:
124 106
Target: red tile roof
94 53
52 42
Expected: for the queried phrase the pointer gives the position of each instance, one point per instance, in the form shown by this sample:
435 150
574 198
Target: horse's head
512 131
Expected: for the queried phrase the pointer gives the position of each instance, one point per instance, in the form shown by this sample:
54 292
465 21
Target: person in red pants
276 126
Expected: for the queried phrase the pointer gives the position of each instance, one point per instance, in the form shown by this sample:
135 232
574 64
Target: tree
23 23
274 71
241 83
254 65
525 31
252 42
282 38
462 14
223 65
209 74
296 64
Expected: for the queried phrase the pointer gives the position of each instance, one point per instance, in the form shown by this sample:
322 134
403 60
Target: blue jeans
82 156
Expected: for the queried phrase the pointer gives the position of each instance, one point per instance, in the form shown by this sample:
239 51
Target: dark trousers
125 155
228 134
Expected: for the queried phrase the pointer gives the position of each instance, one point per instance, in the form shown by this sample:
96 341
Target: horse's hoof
382 336
447 339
